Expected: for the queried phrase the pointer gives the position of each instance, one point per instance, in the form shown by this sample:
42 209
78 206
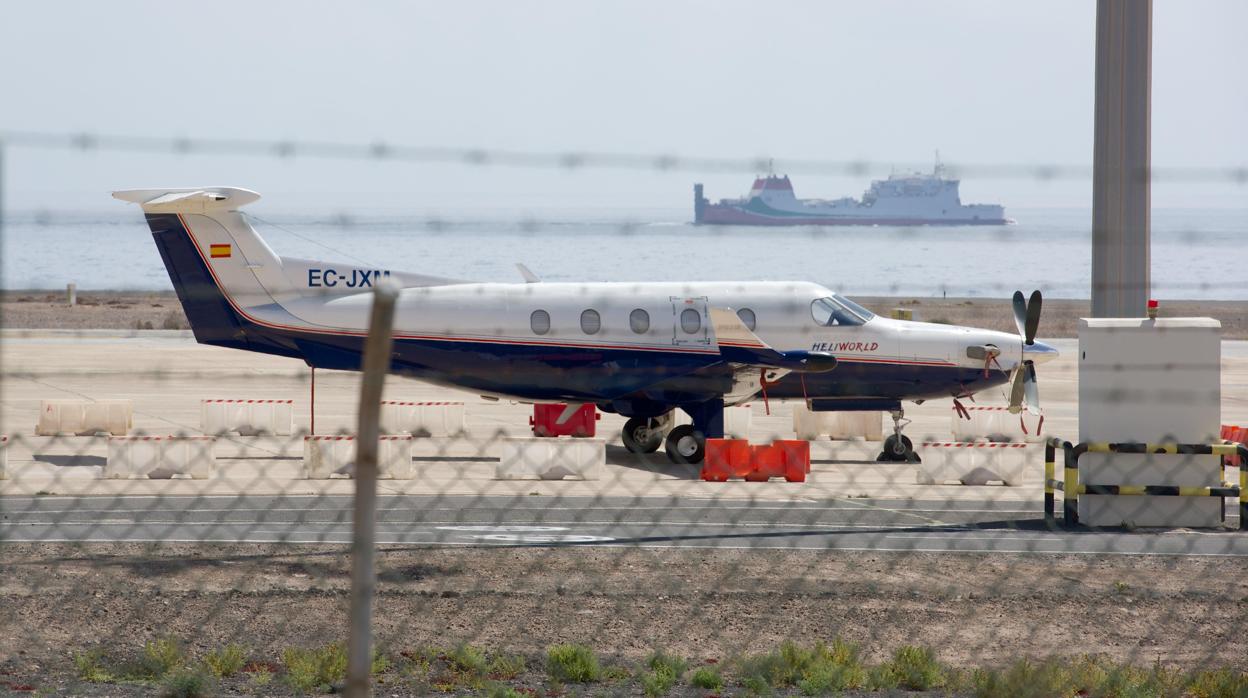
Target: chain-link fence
178 517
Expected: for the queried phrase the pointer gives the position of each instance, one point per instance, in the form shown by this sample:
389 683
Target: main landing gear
897 447
642 435
685 443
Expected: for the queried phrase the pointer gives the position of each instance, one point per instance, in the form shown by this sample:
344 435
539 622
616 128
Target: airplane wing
753 361
737 344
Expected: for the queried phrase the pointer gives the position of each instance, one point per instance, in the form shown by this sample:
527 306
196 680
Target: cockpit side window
834 311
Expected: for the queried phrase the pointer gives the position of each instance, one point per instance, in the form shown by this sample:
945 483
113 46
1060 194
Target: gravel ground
976 610
161 310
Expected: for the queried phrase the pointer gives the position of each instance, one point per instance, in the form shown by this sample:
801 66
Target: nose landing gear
897 447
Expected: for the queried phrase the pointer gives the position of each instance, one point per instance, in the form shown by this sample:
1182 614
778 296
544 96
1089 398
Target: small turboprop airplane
640 350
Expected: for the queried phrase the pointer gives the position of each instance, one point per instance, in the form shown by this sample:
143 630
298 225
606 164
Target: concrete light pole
1121 193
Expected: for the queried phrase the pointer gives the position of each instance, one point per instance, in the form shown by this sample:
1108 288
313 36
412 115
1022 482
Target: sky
886 81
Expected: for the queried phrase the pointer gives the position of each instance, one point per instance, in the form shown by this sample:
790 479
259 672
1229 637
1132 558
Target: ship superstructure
902 199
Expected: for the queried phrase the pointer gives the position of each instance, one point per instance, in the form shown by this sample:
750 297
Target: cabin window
639 320
690 321
747 318
540 322
590 322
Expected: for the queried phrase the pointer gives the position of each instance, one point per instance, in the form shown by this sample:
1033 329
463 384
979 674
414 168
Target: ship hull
720 214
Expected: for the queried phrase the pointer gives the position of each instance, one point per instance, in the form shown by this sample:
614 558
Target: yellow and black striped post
1071 488
1051 484
1070 483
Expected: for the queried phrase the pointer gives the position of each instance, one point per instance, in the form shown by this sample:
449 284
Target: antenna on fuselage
529 276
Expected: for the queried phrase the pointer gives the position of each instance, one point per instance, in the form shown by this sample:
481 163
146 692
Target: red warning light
1152 309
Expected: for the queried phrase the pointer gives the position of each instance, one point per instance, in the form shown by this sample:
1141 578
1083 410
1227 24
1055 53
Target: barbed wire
382 151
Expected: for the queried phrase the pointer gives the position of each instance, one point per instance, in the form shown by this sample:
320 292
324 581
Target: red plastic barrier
736 458
1238 435
582 424
725 458
796 458
766 462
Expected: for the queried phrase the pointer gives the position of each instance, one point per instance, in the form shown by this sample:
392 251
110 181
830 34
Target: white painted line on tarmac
347 509
677 546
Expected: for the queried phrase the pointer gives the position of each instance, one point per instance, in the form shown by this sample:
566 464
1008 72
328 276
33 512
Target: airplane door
690 323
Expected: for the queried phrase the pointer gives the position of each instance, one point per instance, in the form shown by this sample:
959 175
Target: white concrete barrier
837 426
434 419
325 456
160 457
737 421
247 417
973 463
4 457
997 424
85 417
533 458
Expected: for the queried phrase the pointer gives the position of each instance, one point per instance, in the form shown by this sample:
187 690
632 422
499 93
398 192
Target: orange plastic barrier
725 458
736 458
796 458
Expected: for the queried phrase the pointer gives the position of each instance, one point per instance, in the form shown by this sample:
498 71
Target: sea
1196 254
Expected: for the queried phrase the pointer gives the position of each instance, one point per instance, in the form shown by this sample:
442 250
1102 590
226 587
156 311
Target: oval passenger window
747 318
590 322
540 322
690 321
639 320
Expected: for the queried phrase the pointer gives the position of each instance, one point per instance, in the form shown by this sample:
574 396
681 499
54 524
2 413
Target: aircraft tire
638 437
685 445
898 449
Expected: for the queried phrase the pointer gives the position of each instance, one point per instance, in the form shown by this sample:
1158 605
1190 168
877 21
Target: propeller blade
1017 390
1020 313
1033 316
1031 390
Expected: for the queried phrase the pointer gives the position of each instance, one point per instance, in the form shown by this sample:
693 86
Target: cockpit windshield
838 311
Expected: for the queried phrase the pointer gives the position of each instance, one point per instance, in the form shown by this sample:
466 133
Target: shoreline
147 310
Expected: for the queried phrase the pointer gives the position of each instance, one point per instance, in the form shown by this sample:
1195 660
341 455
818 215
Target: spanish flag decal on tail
219 251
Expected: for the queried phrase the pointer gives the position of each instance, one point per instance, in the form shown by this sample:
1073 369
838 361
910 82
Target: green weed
466 659
226 661
707 678
506 666
187 683
916 668
573 663
159 657
90 666
315 669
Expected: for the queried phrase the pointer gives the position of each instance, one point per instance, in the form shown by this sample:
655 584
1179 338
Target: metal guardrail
1071 487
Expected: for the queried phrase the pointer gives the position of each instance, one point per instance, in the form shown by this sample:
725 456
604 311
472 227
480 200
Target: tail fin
245 268
219 266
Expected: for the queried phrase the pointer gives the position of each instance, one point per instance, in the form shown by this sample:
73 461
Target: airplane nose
1039 352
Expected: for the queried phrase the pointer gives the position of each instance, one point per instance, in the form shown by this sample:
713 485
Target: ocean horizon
1048 249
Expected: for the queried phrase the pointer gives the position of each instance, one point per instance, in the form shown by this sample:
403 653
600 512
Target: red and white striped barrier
973 422
85 417
247 417
972 463
536 458
432 419
837 426
325 456
160 457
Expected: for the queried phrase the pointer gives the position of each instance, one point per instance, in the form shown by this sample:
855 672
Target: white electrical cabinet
1151 381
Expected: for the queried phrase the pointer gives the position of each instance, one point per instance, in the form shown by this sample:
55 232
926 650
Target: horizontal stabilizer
188 200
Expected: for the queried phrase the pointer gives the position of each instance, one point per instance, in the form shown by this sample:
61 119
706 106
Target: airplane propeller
1023 386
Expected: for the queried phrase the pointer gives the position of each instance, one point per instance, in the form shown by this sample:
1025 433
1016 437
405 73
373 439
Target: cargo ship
902 199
